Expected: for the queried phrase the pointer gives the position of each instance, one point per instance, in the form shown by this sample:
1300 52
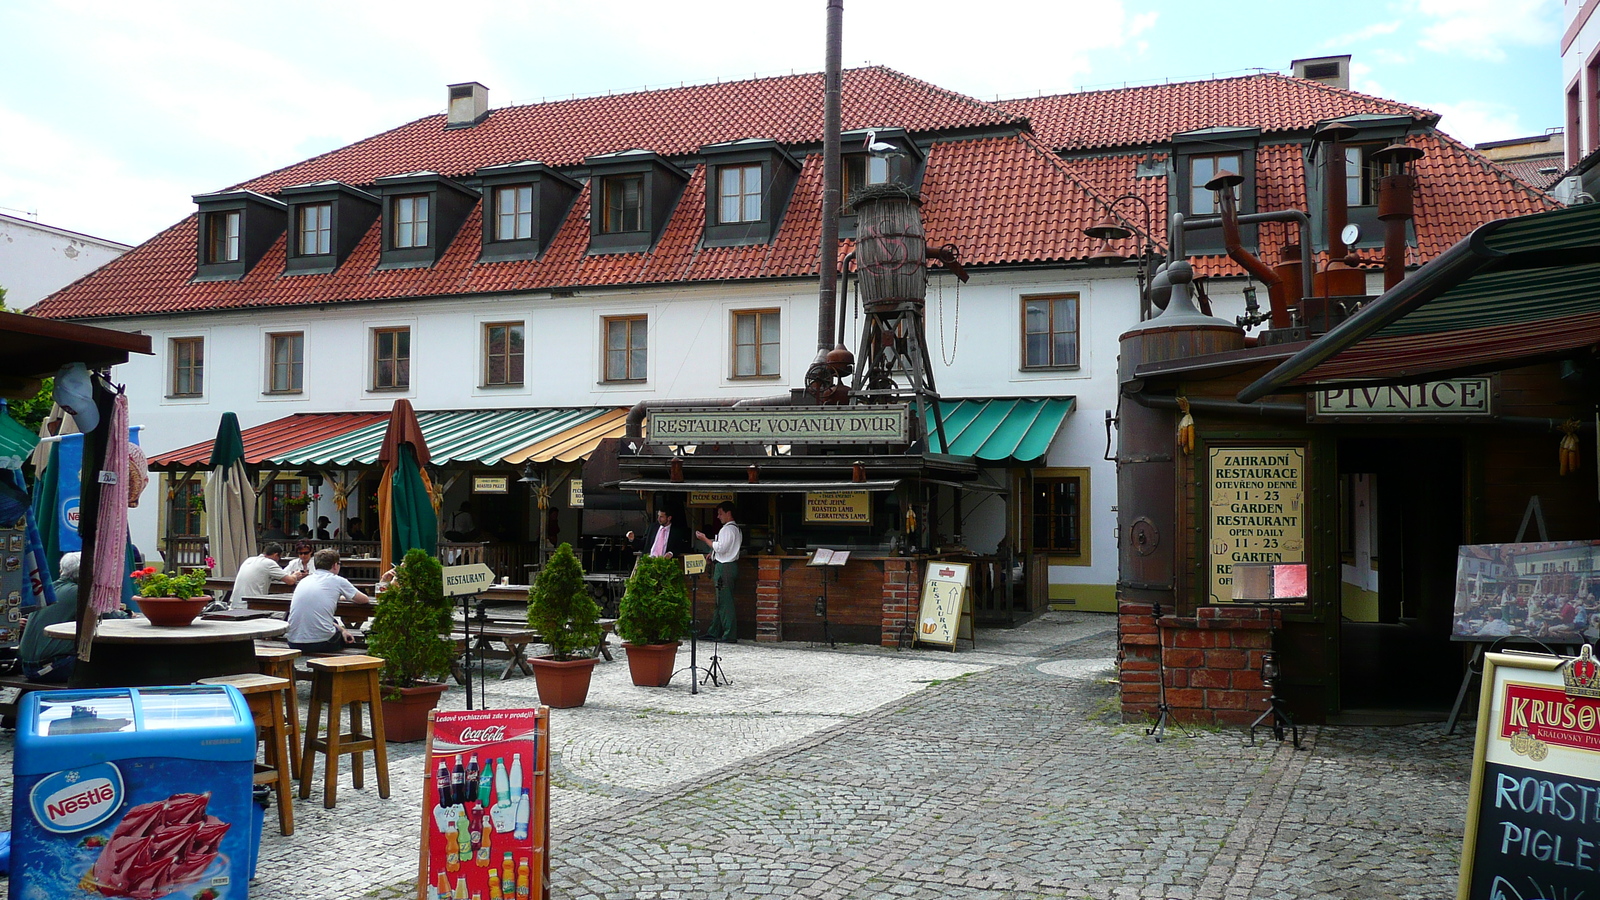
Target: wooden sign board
575 493
487 836
1258 510
491 484
839 507
1534 801
945 614
709 498
694 564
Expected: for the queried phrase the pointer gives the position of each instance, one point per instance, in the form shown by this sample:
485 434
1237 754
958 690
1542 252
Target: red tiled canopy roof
1140 116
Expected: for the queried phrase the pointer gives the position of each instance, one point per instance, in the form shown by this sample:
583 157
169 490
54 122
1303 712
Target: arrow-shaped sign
469 579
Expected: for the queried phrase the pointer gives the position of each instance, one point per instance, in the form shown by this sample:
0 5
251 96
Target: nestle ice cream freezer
133 792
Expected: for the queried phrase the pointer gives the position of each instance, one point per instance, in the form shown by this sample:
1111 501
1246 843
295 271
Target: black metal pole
828 259
466 657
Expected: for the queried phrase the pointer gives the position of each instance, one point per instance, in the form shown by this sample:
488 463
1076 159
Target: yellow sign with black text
839 507
1258 510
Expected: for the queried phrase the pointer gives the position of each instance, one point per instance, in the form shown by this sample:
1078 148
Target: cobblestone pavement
867 773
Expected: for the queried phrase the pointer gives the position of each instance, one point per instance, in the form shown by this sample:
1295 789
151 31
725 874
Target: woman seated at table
313 625
302 559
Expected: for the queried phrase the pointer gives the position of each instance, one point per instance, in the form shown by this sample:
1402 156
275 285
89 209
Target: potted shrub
654 615
568 621
411 632
172 600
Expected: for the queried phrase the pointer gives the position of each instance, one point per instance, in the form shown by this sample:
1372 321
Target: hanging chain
955 328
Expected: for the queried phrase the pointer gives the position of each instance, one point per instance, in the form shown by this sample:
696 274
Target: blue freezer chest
133 792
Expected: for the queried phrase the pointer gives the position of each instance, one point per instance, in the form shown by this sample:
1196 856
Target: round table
134 653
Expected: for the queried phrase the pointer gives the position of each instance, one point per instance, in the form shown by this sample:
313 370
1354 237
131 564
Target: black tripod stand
1272 675
1164 712
713 672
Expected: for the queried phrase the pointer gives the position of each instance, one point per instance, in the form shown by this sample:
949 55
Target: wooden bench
23 687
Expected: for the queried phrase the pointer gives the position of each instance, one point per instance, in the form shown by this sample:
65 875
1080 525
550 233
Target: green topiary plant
411 624
655 607
560 608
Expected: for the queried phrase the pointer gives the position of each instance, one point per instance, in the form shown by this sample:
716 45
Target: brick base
1212 661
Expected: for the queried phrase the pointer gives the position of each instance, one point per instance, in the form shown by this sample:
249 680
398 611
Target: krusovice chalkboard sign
1533 814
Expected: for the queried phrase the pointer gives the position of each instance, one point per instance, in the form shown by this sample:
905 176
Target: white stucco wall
689 357
37 260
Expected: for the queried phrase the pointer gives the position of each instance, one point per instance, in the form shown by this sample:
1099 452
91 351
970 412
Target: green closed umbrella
406 517
230 500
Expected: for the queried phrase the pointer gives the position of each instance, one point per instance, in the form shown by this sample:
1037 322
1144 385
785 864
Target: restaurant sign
839 507
490 484
709 498
886 424
1453 399
1258 506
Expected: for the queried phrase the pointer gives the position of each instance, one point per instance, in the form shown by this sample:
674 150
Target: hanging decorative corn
1569 447
1185 427
542 493
341 495
911 519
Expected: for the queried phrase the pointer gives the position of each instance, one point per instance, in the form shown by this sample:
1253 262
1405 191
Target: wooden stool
264 693
279 663
339 681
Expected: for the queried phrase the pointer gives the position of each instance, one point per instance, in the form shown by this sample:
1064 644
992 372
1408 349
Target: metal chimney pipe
1335 202
828 264
1395 188
1277 293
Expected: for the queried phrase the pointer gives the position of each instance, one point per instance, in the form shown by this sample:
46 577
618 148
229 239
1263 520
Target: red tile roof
274 438
672 122
1140 116
1541 172
1002 199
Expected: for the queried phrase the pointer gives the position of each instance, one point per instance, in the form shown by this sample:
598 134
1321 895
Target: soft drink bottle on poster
452 851
461 888
501 779
494 885
444 887
475 823
486 785
441 783
516 777
522 817
508 874
485 852
472 777
458 781
522 878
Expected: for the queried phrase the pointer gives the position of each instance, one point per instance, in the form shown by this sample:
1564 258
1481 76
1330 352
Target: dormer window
1364 135
632 194
1200 156
739 194
422 212
623 203
748 183
236 229
223 243
314 229
329 219
523 206
410 221
861 170
875 156
513 213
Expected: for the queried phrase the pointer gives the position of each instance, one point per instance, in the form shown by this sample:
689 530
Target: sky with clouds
116 113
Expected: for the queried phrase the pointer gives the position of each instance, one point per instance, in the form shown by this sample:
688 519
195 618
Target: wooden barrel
891 249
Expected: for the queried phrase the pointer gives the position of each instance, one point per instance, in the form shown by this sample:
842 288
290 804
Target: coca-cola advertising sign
485 822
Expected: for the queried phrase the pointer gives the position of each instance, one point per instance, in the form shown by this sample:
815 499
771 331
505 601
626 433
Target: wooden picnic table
350 612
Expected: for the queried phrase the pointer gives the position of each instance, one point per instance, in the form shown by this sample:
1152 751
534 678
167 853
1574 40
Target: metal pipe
844 308
633 425
1277 295
1307 254
828 264
1225 407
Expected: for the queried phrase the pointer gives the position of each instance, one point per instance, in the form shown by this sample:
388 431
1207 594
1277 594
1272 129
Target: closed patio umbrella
230 500
406 517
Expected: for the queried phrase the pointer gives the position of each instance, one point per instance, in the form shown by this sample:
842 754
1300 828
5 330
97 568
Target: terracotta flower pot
172 612
563 684
652 665
405 718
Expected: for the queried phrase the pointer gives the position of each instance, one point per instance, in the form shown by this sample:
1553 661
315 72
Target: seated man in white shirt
313 625
256 574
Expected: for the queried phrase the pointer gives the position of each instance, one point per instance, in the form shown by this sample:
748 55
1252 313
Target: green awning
1017 431
15 440
454 437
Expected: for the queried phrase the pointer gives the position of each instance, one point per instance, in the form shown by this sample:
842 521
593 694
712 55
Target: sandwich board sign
945 613
1533 811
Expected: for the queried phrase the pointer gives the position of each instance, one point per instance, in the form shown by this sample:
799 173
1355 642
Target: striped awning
1514 292
269 440
1017 430
484 437
575 443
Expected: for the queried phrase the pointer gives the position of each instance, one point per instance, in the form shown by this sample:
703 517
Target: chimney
468 105
1333 71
